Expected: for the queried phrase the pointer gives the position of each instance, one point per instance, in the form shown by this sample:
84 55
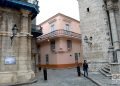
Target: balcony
59 33
36 32
31 6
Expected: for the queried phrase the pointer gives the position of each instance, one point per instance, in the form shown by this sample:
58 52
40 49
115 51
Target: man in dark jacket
85 68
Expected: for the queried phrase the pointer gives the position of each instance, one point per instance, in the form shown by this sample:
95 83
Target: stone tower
15 48
100 26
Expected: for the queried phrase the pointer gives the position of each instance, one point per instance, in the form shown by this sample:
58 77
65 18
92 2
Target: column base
116 76
115 70
8 77
16 77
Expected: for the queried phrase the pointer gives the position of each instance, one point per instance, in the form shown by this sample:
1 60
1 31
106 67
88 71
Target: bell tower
100 19
95 31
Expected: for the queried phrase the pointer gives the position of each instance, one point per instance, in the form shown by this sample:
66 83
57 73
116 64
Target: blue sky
49 8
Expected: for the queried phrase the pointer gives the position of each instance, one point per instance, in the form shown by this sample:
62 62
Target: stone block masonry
94 23
19 50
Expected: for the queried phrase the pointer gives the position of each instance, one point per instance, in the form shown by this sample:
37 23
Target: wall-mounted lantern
14 32
89 41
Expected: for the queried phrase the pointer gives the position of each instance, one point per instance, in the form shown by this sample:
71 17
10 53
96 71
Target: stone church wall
94 23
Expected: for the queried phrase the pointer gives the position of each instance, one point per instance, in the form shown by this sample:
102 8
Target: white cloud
49 8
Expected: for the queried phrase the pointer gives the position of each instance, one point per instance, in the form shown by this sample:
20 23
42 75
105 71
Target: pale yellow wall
45 49
60 58
74 25
46 28
60 24
66 57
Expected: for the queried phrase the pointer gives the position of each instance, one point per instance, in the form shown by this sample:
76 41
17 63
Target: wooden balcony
59 33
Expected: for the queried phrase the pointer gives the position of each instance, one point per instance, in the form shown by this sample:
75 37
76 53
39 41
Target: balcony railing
60 33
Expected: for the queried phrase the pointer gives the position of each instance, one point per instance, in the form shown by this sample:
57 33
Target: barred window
52 27
67 27
69 44
52 44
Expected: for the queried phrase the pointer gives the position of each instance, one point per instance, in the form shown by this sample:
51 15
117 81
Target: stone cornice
4 33
9 10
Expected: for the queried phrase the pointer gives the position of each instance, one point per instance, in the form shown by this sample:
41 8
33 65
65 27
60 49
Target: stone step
106 70
106 74
108 66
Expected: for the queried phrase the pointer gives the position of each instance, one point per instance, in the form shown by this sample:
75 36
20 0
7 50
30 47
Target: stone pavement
68 77
102 80
62 77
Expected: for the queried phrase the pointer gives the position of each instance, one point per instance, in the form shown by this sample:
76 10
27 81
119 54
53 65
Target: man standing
85 68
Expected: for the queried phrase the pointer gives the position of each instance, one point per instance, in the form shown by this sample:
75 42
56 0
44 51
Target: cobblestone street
62 77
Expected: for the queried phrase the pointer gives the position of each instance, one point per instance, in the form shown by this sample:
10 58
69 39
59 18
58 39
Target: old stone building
15 40
100 28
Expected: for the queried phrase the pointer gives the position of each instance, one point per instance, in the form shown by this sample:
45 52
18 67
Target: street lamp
14 32
86 39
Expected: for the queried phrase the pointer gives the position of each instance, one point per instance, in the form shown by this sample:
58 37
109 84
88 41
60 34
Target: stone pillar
110 54
7 70
114 30
23 43
25 72
113 26
115 65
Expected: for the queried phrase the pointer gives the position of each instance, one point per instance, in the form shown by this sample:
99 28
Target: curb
17 84
94 81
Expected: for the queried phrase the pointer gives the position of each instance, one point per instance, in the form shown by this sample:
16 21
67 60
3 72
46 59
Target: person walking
85 68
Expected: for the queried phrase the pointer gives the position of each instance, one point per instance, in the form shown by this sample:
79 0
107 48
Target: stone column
25 72
114 30
115 65
110 54
23 43
111 9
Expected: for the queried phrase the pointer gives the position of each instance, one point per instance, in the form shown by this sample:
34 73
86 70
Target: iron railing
60 33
